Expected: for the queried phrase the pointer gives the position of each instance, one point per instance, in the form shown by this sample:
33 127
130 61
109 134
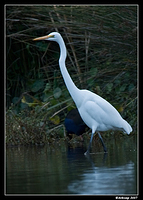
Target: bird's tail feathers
128 129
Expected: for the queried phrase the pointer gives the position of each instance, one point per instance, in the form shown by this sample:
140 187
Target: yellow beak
43 37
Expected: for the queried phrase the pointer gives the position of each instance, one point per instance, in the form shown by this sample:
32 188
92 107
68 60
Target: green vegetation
102 56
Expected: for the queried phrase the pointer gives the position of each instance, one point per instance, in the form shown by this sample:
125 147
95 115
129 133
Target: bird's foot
105 150
86 153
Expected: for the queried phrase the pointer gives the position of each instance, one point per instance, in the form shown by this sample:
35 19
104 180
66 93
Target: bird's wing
95 111
103 112
99 114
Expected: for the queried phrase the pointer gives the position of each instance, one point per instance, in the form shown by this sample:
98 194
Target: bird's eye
52 36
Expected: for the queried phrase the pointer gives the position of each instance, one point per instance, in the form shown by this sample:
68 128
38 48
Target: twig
61 125
74 54
72 47
87 41
52 20
60 111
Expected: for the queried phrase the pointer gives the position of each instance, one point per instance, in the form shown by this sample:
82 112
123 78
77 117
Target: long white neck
73 90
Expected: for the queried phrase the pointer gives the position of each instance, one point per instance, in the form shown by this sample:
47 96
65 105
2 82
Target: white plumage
100 115
97 113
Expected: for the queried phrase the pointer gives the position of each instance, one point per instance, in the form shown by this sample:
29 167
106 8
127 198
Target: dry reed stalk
87 41
60 110
72 47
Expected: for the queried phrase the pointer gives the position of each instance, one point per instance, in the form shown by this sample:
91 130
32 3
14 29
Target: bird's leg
89 146
105 149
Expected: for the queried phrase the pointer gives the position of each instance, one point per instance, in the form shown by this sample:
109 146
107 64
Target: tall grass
101 43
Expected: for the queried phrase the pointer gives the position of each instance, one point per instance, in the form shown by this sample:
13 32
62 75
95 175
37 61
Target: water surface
60 169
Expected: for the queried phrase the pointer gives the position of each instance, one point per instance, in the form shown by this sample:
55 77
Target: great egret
97 113
74 123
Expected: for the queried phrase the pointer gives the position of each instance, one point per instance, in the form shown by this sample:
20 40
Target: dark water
59 169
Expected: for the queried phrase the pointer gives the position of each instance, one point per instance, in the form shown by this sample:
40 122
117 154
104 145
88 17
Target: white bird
97 113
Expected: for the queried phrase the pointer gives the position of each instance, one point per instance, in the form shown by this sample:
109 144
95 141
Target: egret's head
54 36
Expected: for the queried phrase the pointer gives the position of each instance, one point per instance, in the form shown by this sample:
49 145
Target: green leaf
41 123
93 71
47 88
123 87
109 87
23 105
15 100
46 96
131 86
37 85
55 120
42 46
57 93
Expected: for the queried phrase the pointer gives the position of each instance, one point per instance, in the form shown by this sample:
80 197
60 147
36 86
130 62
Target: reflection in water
59 169
103 180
